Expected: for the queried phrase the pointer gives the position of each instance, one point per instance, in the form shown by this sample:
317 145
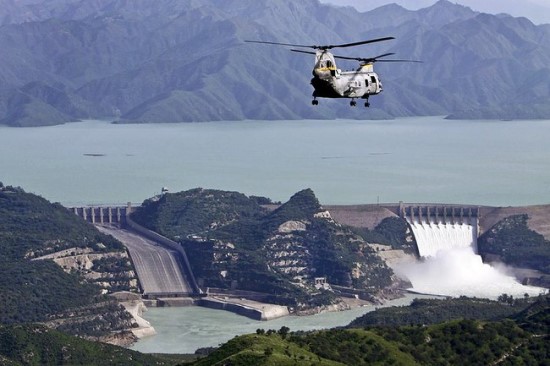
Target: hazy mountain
186 61
538 11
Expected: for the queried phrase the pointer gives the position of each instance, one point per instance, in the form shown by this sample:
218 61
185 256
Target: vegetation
38 345
433 311
77 62
391 231
512 241
232 240
31 227
519 340
269 348
195 211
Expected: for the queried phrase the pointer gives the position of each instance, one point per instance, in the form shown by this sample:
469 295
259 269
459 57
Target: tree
283 332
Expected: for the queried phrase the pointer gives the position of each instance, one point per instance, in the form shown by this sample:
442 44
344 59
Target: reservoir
183 330
419 160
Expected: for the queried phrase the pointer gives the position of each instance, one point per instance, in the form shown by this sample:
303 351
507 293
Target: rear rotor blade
399 61
375 59
363 59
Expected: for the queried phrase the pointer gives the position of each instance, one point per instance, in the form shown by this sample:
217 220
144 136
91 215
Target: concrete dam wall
438 228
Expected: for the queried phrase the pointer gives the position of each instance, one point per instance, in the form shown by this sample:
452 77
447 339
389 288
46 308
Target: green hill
515 341
33 229
182 61
234 242
432 311
514 243
38 345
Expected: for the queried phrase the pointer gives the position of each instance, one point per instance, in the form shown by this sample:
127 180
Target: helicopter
330 82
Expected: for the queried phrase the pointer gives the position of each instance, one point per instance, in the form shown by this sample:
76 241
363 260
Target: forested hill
233 241
186 61
521 339
36 289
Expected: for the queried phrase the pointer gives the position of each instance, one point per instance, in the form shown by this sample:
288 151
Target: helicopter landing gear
314 102
353 103
367 104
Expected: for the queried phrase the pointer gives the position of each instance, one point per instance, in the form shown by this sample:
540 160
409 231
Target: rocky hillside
59 266
186 61
295 253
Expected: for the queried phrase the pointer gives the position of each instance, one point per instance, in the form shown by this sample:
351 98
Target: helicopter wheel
314 102
353 103
367 104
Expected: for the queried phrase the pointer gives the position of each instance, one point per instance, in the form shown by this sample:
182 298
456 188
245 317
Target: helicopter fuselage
330 82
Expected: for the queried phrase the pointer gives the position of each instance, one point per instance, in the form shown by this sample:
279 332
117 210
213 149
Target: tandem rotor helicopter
330 82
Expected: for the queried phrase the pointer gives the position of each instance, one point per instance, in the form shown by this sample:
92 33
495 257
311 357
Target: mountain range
183 61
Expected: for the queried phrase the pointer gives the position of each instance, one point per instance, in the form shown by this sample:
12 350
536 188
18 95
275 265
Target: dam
437 228
161 264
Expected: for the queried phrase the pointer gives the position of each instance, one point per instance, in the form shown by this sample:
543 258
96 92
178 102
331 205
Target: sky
538 11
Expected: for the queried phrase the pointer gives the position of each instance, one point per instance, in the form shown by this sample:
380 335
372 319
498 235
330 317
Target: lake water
416 160
426 159
183 330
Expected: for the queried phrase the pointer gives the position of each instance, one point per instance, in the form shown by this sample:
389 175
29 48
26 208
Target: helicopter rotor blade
327 47
359 43
303 51
399 61
363 59
281 44
376 59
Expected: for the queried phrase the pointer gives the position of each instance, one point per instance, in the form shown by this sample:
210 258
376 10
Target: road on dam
157 267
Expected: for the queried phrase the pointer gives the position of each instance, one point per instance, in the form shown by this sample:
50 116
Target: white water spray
432 237
450 265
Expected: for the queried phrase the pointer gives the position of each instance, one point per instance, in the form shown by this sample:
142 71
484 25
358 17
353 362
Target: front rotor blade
303 51
281 44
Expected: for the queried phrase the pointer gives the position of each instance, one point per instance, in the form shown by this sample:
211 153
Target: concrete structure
161 264
102 214
439 213
441 227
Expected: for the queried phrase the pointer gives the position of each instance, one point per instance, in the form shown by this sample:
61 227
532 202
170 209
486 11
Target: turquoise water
183 330
425 159
345 162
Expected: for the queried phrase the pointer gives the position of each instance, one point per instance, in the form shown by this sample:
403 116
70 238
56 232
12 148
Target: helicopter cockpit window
373 79
329 63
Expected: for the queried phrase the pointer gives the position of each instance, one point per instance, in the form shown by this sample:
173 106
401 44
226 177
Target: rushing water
343 161
432 237
450 265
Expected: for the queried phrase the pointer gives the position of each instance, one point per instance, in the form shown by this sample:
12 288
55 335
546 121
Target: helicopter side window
366 82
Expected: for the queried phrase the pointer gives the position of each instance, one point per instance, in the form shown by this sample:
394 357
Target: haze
538 11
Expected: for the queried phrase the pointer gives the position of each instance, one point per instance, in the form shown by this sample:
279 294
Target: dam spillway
442 228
